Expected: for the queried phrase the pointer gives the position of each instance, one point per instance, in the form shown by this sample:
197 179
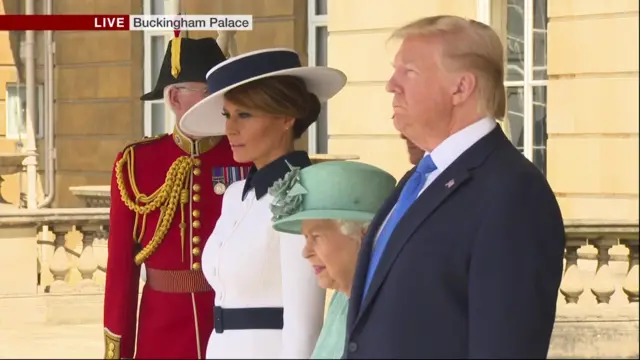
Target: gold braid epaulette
165 198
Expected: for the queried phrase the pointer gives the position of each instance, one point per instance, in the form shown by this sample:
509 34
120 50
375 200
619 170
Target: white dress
250 265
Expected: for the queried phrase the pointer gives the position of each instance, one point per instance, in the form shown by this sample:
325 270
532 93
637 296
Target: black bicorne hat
193 59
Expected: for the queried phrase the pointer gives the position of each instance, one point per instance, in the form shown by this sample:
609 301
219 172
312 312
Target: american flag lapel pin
450 183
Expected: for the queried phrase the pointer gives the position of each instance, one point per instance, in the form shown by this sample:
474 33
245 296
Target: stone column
87 264
59 264
572 287
630 285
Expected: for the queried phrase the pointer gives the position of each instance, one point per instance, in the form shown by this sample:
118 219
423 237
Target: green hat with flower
335 190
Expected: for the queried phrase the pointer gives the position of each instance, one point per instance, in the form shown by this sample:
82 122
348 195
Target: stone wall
592 92
98 81
593 108
99 78
12 72
360 116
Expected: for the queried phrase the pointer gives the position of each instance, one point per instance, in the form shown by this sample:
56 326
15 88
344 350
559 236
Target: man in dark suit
465 259
415 153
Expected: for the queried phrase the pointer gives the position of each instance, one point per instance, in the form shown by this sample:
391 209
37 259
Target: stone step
596 332
581 332
52 342
51 309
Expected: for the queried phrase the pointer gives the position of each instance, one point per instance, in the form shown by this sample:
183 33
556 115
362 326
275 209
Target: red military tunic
175 317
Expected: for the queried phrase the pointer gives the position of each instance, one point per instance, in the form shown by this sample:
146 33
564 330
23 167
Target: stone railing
602 237
96 196
62 242
597 315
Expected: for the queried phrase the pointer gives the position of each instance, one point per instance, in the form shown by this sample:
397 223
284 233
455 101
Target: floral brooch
287 194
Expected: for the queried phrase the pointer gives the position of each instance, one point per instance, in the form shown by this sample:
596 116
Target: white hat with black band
205 118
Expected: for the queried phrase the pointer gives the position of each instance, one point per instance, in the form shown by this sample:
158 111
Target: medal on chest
219 180
224 176
219 188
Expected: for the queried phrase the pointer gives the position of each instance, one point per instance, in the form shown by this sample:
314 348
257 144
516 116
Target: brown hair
468 45
281 96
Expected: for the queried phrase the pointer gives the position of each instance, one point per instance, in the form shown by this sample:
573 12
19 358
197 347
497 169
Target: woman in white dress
267 302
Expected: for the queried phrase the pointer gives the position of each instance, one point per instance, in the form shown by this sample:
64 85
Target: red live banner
64 22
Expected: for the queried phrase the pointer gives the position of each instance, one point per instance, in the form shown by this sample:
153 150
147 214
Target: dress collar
261 180
194 147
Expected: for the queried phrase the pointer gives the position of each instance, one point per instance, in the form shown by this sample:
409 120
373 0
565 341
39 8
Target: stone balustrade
597 313
603 238
94 196
60 242
75 232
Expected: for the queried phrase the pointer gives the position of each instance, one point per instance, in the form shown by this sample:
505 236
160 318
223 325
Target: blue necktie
408 195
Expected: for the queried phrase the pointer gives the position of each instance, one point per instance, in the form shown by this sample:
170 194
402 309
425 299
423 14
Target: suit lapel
420 210
364 256
457 174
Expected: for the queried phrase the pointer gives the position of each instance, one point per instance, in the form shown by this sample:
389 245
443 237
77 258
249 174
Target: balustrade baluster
572 286
603 286
45 255
630 285
59 264
87 264
104 231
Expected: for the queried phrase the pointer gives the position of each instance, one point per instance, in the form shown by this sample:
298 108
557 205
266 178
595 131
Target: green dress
330 344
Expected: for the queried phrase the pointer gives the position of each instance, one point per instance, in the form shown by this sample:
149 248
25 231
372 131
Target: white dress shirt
250 265
453 146
451 149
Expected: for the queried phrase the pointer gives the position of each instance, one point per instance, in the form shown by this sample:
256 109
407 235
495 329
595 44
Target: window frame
484 10
148 78
9 119
314 22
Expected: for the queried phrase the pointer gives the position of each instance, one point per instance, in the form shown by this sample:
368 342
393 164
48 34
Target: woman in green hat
331 204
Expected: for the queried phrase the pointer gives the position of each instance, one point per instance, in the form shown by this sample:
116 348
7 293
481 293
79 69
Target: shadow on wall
15 7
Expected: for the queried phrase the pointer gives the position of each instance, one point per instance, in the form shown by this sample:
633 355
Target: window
157 119
317 35
526 73
522 25
16 107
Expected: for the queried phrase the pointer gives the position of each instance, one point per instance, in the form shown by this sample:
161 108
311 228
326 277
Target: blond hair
471 46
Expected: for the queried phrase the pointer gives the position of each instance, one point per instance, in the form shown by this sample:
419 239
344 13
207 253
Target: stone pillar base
19 259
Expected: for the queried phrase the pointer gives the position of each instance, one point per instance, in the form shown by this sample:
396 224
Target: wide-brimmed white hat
205 118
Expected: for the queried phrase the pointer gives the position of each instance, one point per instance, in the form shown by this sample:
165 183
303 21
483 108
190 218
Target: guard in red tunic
166 196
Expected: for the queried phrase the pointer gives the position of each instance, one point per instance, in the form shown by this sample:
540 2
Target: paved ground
52 342
86 342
